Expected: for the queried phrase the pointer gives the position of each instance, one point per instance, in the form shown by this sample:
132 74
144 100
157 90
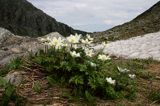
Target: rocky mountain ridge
147 22
22 18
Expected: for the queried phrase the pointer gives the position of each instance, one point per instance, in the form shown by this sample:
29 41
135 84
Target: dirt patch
155 68
46 95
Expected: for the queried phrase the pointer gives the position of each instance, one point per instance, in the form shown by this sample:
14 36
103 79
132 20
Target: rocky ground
146 46
12 46
55 96
142 47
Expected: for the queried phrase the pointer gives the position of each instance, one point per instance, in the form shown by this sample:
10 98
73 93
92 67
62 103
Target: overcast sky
93 15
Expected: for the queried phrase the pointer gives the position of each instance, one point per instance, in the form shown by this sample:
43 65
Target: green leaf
66 65
89 97
82 67
91 82
37 87
9 90
76 80
50 80
8 93
111 93
3 82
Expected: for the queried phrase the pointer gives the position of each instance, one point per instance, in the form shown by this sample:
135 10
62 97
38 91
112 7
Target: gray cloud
93 15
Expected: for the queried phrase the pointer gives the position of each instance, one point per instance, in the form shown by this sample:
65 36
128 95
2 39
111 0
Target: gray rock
4 35
53 34
16 50
12 46
15 78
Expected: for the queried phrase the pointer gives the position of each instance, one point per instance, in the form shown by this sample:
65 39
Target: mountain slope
22 18
147 22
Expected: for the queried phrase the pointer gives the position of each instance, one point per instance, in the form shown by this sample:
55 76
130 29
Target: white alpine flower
132 76
110 80
123 70
103 57
65 44
93 64
89 52
56 42
75 46
86 41
89 37
104 44
84 48
74 54
74 38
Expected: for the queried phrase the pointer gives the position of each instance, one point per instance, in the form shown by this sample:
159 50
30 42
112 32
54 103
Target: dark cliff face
147 22
22 18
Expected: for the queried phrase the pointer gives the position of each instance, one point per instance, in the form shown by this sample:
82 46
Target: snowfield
142 47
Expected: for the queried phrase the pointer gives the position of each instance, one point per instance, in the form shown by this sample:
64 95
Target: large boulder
12 46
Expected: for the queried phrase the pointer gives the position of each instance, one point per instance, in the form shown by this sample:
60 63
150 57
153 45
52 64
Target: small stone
16 50
14 78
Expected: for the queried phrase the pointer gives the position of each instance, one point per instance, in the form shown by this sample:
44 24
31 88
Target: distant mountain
147 22
22 18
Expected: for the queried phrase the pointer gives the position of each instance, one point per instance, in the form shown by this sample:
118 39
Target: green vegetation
84 80
155 96
13 65
88 75
9 94
85 74
37 87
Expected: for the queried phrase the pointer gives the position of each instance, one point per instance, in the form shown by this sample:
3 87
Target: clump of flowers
56 42
111 81
89 52
103 57
74 62
122 70
132 76
88 40
74 54
74 38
